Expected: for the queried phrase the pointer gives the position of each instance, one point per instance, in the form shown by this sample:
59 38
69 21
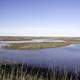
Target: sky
40 17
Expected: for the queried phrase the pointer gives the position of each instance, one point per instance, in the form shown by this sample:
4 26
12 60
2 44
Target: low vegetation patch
42 45
26 72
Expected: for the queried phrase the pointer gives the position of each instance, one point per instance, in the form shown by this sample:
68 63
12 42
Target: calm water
68 56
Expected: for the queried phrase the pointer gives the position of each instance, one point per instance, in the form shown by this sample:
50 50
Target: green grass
25 72
42 45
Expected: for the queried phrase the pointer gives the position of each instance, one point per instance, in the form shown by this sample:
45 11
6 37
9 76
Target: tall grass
26 72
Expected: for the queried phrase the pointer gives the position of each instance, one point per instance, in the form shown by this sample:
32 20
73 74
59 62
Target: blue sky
40 17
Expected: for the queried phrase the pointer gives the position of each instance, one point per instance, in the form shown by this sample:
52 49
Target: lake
68 56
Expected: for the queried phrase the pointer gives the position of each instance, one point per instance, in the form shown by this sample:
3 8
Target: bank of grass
41 45
26 72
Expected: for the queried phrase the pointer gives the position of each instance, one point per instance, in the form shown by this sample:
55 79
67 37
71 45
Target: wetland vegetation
26 72
44 44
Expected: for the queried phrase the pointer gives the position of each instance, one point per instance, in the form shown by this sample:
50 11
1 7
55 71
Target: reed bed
27 72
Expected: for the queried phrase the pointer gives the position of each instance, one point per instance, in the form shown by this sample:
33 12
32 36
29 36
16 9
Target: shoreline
31 46
42 44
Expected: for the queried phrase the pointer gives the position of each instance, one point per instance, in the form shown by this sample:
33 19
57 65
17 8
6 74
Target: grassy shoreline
42 45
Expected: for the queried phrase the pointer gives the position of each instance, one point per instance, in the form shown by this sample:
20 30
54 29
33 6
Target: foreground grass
25 72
